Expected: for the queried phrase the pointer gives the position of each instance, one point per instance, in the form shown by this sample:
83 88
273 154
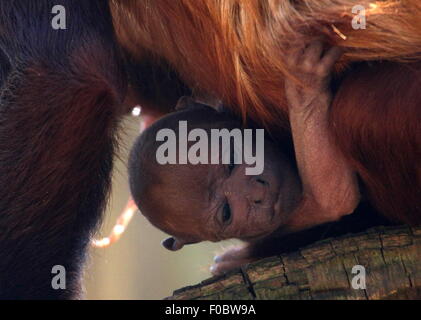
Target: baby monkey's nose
258 190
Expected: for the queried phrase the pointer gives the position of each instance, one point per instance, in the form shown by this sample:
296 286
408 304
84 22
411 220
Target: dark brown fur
58 115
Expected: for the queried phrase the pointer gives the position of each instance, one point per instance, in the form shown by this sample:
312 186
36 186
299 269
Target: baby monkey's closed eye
226 215
261 181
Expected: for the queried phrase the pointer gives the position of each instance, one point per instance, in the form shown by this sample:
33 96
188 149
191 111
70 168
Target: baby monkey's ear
175 244
172 244
184 103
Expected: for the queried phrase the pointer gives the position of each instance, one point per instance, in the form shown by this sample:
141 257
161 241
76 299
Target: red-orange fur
236 48
376 120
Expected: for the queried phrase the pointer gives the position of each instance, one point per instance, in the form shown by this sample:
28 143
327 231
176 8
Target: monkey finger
222 268
329 59
235 253
312 53
295 54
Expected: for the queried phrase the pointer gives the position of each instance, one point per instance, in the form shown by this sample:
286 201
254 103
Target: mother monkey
62 91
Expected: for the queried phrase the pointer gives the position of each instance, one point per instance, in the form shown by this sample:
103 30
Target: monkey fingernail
217 259
212 269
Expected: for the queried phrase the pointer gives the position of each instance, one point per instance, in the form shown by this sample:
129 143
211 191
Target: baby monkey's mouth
256 238
278 210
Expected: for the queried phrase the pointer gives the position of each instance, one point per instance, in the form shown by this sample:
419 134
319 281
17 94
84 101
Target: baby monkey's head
214 199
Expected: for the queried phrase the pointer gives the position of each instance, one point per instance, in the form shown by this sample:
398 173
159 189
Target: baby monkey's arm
330 189
329 185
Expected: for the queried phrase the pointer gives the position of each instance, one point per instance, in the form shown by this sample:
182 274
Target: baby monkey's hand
231 259
312 66
330 189
248 252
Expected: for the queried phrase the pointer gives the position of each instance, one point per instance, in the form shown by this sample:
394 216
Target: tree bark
391 257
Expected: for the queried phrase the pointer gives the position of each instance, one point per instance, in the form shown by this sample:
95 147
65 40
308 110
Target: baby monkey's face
249 207
214 202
